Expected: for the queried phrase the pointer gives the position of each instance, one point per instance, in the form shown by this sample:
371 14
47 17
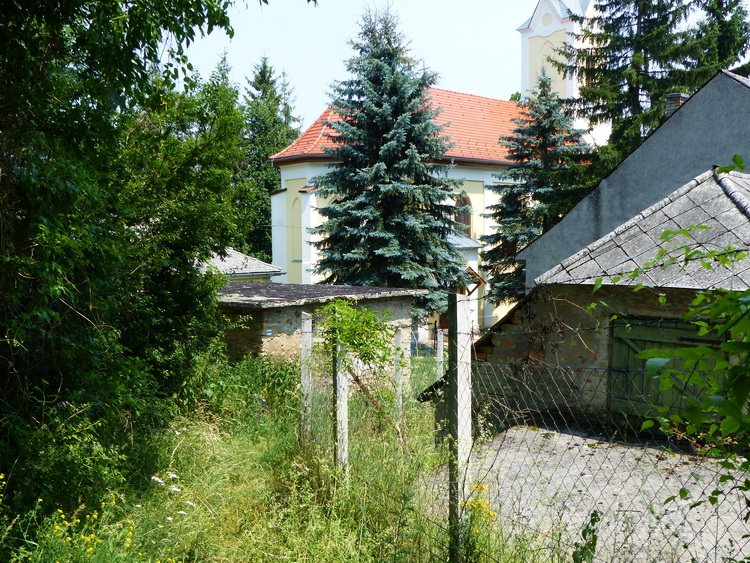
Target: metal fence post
459 415
341 411
306 372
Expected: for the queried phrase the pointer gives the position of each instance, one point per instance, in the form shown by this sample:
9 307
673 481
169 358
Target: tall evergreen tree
718 41
271 126
544 184
624 68
391 207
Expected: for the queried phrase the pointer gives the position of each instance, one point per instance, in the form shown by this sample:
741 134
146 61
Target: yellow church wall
474 189
541 48
294 230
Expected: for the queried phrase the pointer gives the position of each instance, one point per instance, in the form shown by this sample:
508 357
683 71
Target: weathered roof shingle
718 204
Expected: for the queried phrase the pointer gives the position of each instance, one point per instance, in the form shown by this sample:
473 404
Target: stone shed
273 312
572 344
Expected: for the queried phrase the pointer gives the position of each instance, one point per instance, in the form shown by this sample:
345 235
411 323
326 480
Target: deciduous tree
98 280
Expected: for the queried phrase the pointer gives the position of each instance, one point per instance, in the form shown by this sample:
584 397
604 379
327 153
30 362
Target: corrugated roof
720 202
474 124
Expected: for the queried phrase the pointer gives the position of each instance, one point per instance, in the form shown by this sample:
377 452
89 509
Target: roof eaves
233 300
291 159
736 77
455 160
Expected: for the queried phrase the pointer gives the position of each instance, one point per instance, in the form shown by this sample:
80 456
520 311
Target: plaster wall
549 29
541 49
279 234
295 211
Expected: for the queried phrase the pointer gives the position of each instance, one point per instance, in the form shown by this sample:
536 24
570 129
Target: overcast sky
472 44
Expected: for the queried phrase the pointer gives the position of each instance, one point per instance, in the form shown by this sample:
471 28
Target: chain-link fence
501 461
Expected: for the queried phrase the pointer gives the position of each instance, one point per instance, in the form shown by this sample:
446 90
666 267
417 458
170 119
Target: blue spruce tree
544 184
392 208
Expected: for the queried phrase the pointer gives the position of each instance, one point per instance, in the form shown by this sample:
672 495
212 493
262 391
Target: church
474 124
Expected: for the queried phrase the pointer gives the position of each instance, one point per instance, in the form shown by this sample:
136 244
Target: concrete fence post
341 411
459 416
306 329
398 373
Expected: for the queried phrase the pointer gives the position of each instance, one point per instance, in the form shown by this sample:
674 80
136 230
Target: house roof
462 242
267 295
238 264
720 202
474 124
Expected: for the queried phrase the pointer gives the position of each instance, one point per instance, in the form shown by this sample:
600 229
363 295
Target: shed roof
718 203
238 264
462 242
474 124
267 295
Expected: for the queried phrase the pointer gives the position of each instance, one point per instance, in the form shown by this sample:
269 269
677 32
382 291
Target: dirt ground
544 485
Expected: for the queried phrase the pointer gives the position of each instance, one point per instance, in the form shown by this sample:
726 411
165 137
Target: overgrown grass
232 482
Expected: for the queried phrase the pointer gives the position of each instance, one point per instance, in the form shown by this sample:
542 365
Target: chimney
674 101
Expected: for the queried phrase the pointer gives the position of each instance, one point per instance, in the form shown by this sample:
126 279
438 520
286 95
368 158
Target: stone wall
553 351
276 331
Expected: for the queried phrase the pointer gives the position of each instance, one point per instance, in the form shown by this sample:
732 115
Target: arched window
463 215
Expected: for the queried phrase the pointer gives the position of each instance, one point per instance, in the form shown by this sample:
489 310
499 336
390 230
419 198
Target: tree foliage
113 189
623 67
716 419
271 126
719 39
544 183
632 53
390 210
178 160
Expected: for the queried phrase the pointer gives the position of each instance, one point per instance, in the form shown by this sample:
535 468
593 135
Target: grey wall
712 126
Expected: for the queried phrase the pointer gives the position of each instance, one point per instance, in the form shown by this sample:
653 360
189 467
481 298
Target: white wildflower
155 478
176 489
172 475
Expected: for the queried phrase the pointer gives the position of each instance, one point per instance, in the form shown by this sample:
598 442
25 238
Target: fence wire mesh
558 467
549 458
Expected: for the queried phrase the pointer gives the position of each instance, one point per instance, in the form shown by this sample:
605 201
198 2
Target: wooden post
398 374
341 411
306 329
459 415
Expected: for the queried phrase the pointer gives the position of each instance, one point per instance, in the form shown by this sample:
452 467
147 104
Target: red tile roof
474 123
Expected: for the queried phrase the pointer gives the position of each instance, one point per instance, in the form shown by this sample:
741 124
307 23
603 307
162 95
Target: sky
473 45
